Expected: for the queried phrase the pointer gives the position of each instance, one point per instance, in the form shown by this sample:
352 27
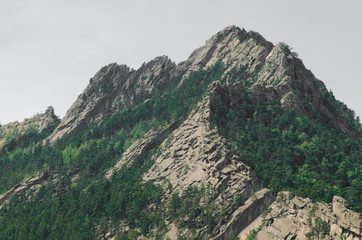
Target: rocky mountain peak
49 111
108 72
239 33
232 46
47 119
273 71
114 88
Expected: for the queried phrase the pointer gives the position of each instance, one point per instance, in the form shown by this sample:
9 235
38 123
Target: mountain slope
197 150
16 140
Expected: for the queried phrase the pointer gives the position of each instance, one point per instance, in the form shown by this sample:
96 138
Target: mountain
238 141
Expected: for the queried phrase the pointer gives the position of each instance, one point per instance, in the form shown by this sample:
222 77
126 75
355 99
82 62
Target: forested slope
188 151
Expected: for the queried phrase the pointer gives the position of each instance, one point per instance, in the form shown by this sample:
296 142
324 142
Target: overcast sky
50 49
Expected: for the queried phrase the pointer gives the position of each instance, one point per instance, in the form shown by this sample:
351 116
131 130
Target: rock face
142 147
245 214
292 217
195 153
112 89
30 183
40 122
234 47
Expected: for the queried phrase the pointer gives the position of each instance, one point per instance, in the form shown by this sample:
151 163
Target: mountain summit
275 68
240 141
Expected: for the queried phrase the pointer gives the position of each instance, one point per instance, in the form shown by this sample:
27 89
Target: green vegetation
287 49
18 156
290 150
80 214
319 228
63 210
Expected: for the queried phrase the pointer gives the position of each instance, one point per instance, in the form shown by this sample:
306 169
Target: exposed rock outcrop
247 213
196 154
142 147
292 217
232 46
32 182
40 122
113 88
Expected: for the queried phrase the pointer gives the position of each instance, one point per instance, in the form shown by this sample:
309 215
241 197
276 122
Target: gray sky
50 49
